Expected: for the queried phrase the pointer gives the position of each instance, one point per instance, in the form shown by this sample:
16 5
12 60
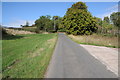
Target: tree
27 24
21 25
106 19
43 23
54 19
98 21
57 21
115 18
79 5
78 20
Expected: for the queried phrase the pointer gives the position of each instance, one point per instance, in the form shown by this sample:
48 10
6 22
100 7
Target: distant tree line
115 18
77 21
109 25
48 23
26 25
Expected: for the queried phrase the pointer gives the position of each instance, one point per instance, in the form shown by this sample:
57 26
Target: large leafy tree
115 18
78 20
106 19
43 23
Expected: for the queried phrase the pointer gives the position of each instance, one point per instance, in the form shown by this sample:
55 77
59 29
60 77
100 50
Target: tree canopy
43 23
48 23
115 18
106 19
78 20
57 22
98 21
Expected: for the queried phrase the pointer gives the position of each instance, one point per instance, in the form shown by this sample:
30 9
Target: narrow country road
70 60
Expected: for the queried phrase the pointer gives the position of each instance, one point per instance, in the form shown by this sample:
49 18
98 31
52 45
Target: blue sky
17 13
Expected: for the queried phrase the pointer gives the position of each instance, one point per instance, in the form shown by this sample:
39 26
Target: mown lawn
27 56
97 40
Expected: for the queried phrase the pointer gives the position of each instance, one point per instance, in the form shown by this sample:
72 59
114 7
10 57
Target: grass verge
97 40
27 56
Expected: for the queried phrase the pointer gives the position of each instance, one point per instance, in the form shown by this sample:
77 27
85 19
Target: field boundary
51 56
92 43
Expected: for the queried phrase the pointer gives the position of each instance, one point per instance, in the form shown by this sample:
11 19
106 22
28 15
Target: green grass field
27 56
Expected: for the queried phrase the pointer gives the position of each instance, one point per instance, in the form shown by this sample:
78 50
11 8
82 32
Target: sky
15 14
59 0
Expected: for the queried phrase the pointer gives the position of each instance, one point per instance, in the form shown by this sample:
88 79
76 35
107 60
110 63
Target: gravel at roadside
108 56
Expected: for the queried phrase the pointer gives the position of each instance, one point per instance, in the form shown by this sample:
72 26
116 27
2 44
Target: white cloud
109 11
113 8
17 23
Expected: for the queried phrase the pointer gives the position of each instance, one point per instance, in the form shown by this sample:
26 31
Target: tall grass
96 39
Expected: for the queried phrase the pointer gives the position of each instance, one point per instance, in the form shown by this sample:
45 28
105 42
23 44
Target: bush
3 31
52 31
61 30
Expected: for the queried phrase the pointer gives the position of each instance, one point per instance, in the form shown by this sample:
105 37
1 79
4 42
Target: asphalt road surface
70 60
